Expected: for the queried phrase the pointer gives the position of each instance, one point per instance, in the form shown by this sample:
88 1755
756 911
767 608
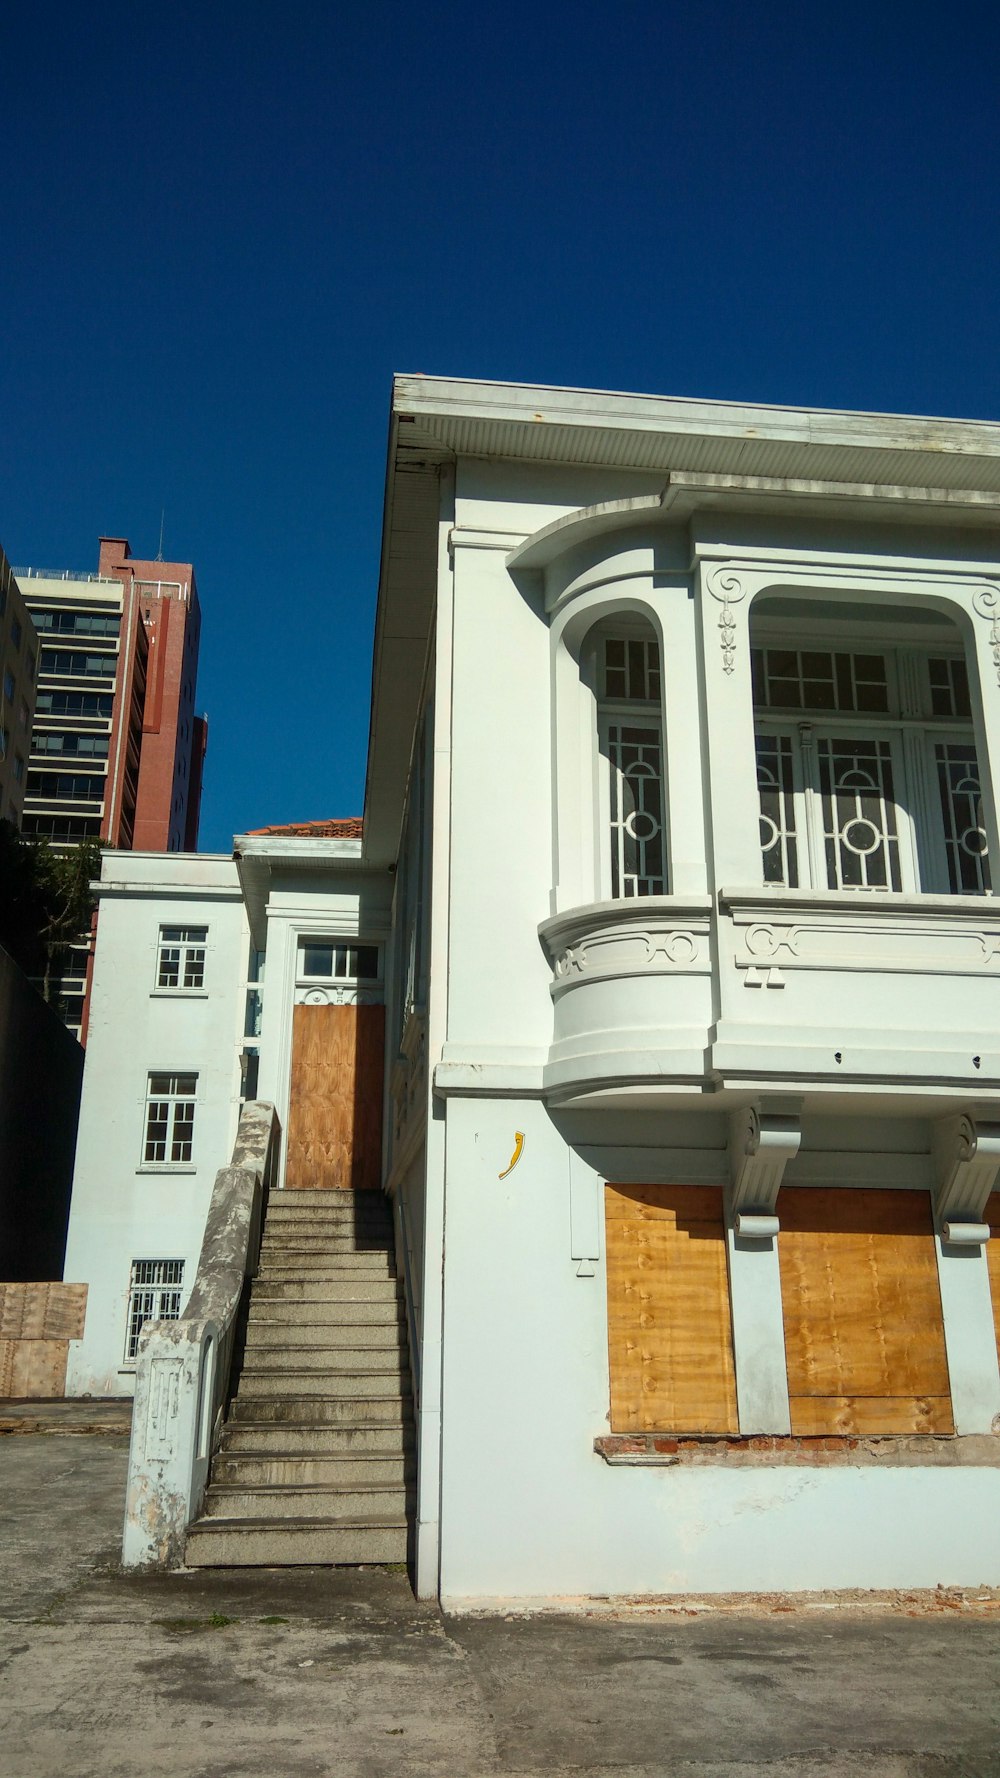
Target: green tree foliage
46 901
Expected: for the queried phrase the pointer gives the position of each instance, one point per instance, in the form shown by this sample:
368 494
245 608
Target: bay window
867 769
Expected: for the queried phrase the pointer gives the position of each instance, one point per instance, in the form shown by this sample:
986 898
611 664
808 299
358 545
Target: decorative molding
966 1165
615 939
729 590
867 934
338 994
760 1148
986 604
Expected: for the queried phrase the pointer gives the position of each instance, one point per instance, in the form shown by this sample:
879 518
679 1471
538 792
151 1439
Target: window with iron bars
181 958
170 1103
630 717
154 1295
876 784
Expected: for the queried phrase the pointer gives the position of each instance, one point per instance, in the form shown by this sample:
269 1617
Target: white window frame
177 1100
335 943
154 1298
922 839
191 946
623 712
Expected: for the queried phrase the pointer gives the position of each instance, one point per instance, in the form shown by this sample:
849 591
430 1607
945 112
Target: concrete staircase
316 1461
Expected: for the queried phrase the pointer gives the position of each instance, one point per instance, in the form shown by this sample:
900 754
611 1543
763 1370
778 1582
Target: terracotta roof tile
347 827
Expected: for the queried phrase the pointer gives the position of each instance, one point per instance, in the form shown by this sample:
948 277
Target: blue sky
223 227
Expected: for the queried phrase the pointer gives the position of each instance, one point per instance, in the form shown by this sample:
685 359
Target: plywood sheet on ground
335 1098
864 1337
669 1328
33 1370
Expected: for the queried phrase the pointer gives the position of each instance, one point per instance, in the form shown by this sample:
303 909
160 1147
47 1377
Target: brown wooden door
335 1099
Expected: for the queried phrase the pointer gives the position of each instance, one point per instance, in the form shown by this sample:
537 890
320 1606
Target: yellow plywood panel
669 1329
335 1098
866 1415
862 1309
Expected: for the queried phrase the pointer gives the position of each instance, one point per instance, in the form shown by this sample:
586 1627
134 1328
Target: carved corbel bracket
761 1144
966 1166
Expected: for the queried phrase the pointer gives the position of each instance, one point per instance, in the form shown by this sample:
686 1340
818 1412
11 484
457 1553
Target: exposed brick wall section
765 1450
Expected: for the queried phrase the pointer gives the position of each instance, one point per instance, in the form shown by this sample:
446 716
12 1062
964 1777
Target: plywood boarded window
993 1258
864 1338
670 1336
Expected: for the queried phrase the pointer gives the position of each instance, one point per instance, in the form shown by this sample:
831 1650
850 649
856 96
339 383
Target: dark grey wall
41 1071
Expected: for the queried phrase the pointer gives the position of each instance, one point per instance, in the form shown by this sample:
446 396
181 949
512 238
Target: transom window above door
337 960
867 770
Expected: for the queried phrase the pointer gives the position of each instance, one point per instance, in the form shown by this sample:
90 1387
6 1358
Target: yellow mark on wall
516 1156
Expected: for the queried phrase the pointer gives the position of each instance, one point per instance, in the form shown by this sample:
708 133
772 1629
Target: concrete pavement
323 1673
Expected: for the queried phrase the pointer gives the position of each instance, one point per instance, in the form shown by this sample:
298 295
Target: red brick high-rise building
168 796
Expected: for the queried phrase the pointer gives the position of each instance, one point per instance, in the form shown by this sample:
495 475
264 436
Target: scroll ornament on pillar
966 1168
728 589
986 603
760 1148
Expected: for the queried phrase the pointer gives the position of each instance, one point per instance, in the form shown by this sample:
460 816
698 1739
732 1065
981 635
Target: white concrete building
161 1095
683 778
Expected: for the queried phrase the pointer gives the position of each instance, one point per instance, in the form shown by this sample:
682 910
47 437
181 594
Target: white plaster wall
529 1509
119 1211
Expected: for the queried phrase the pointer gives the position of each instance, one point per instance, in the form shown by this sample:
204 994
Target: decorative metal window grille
182 957
961 808
170 1117
632 670
776 785
154 1295
860 829
819 679
333 960
638 859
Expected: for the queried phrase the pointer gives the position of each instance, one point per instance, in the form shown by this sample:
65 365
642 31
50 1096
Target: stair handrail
183 1367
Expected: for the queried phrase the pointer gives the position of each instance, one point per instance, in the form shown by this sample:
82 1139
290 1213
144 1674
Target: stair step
285 1199
338 1244
297 1501
334 1215
357 1357
298 1469
366 1384
294 1264
289 1543
356 1287
387 1312
359 1409
285 1439
327 1336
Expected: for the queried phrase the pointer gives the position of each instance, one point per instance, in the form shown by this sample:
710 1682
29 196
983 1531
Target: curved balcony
632 995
